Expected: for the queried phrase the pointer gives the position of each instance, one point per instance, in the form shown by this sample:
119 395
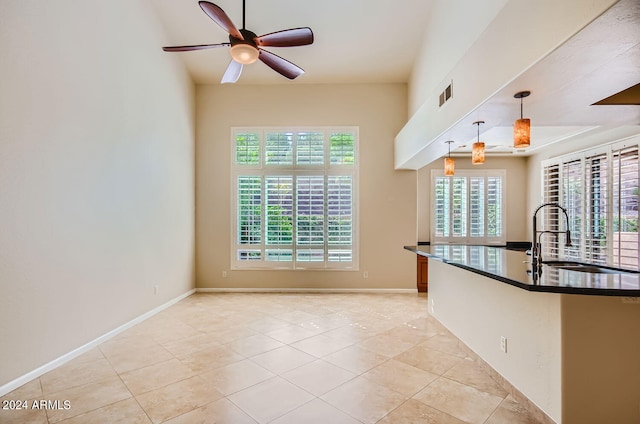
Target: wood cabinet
423 274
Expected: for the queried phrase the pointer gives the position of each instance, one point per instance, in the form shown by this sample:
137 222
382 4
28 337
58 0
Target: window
468 207
599 189
295 198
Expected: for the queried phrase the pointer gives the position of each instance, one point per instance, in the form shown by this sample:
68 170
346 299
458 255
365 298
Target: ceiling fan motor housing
248 38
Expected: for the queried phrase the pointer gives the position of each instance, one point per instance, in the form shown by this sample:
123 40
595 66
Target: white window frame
264 170
581 251
484 240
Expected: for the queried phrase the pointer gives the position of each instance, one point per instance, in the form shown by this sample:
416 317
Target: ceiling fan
246 45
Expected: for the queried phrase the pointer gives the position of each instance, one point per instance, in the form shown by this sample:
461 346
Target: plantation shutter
596 189
459 207
295 198
599 189
310 218
494 207
625 207
279 218
572 195
340 218
442 204
279 148
476 207
342 149
310 148
550 216
467 208
249 210
247 148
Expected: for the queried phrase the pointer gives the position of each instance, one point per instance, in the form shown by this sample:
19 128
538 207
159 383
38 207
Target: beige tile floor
276 358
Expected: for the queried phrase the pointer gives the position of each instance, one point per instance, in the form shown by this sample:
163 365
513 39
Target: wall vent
446 94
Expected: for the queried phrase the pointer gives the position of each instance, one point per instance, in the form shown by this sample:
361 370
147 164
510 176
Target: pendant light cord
478 124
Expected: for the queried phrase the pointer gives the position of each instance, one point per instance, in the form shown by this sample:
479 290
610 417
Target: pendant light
449 163
477 153
522 127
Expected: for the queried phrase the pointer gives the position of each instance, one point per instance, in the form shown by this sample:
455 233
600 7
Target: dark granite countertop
514 268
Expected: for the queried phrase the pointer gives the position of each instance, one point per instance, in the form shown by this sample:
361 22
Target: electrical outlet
224 274
155 289
365 274
503 344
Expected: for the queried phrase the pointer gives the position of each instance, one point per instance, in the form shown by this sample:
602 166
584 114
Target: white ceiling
356 41
597 62
377 41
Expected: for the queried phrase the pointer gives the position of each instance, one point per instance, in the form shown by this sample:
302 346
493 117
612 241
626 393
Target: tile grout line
356 316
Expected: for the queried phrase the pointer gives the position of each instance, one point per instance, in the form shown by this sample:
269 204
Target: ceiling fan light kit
246 45
244 54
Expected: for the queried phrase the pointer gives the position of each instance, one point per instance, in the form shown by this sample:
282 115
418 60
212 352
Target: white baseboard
14 384
302 290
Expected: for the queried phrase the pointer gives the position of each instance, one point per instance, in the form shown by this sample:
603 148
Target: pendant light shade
449 167
477 153
245 54
522 127
522 133
449 163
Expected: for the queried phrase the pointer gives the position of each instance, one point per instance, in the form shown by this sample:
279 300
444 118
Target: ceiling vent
446 95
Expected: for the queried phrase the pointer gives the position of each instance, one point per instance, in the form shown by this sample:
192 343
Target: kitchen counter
571 358
514 268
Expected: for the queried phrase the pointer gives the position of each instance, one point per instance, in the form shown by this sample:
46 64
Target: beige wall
96 175
450 29
516 193
387 197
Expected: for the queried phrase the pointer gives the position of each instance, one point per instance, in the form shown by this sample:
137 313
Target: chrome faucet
536 245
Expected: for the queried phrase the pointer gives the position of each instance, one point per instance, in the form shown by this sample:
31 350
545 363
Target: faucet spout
536 247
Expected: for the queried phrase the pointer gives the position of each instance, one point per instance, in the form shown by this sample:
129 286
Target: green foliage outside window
279 225
247 149
342 149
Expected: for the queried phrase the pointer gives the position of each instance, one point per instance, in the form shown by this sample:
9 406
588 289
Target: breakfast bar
514 268
567 340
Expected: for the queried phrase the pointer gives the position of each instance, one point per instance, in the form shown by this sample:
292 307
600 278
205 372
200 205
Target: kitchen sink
582 267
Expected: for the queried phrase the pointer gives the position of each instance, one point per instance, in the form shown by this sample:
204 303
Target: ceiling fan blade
280 65
286 38
221 18
196 47
232 73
